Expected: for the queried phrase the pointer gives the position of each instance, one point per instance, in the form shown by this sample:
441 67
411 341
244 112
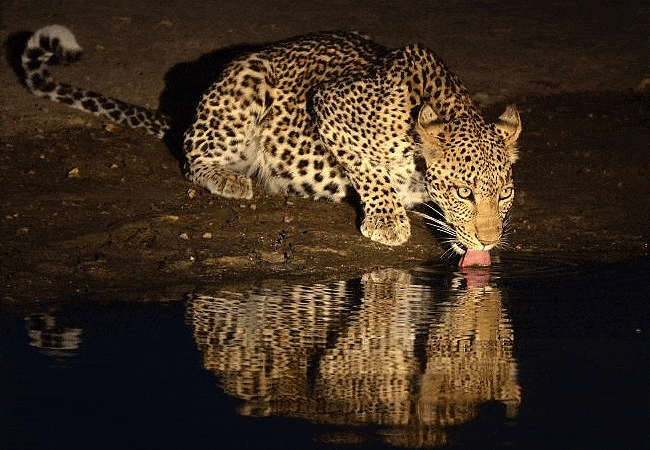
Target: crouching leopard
324 115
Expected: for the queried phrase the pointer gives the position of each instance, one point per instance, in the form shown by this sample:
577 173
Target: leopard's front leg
385 218
363 123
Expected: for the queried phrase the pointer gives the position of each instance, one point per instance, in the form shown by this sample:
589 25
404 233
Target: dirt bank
88 207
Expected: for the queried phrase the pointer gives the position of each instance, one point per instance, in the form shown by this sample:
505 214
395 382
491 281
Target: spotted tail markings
56 44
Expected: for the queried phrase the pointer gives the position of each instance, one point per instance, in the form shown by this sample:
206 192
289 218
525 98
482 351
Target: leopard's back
256 122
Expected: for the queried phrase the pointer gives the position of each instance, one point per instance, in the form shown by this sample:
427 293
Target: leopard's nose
489 235
488 242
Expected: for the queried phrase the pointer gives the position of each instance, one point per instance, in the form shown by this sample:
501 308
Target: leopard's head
469 172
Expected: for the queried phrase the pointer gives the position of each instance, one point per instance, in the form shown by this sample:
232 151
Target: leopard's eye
506 193
464 192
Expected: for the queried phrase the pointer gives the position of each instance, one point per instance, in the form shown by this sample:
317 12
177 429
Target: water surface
529 354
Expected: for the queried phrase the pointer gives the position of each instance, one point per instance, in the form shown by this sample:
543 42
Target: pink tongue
475 258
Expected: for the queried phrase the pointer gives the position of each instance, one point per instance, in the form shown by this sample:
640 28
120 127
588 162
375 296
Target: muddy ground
87 207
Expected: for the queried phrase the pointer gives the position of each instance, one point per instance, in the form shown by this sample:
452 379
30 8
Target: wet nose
487 242
488 223
489 235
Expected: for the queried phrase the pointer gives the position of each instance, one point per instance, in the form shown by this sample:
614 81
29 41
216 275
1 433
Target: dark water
528 355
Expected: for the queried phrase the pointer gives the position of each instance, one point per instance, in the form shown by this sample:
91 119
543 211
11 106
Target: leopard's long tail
56 44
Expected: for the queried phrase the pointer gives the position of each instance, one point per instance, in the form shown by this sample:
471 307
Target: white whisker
505 233
435 210
438 224
442 228
449 253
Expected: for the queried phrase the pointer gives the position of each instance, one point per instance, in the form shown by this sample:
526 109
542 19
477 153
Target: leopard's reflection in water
380 350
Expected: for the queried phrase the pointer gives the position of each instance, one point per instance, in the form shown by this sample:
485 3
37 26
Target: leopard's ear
509 125
432 133
426 116
429 120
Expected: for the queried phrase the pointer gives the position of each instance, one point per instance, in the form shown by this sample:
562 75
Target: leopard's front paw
386 229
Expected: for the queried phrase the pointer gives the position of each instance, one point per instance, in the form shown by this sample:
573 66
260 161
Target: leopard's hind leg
221 181
222 147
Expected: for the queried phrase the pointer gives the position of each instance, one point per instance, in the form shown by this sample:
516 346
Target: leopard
330 115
